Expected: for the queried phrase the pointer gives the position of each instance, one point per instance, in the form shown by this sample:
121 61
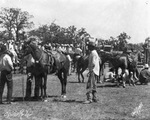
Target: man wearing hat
144 75
6 67
93 73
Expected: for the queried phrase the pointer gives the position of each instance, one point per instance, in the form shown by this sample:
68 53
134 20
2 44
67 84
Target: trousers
6 77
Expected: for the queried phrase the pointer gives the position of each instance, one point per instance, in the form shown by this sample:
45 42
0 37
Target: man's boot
89 98
94 96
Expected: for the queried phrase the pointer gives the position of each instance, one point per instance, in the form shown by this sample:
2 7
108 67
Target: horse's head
25 49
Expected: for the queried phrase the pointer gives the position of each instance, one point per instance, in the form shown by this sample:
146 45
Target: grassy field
115 103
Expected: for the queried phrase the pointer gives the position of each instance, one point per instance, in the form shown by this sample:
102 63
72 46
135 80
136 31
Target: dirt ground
115 103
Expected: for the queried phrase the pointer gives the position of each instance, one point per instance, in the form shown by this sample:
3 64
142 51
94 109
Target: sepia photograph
74 59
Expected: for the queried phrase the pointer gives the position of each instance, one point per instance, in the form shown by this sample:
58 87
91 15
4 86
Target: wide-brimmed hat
92 42
146 66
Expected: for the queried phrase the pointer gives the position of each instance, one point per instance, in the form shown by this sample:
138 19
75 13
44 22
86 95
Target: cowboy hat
92 42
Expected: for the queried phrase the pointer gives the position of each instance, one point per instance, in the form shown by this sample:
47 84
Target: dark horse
47 62
122 61
74 58
82 65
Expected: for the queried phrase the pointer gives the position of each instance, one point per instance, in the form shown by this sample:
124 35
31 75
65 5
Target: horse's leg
37 85
129 77
134 74
78 73
61 81
79 77
123 80
45 85
82 74
117 77
41 86
64 83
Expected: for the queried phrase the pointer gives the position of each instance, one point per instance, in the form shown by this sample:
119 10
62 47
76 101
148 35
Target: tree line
18 25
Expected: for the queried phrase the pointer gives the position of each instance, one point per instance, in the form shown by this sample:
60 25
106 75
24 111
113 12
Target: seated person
110 75
144 75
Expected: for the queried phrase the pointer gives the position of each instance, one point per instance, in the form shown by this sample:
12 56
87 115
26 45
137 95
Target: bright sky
100 18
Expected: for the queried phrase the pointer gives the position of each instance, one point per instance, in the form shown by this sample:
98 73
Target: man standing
6 67
93 73
30 68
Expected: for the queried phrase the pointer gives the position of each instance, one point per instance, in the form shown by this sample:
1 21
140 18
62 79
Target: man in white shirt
93 73
6 67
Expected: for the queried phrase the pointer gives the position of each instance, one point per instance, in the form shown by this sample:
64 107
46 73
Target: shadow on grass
107 85
67 101
19 99
75 82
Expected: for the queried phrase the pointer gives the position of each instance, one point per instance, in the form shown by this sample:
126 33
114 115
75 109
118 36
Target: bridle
33 53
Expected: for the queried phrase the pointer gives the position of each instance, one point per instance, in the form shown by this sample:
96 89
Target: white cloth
94 62
78 51
12 50
11 47
68 56
6 62
126 75
109 75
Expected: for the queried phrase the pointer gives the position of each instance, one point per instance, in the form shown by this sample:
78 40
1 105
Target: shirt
145 73
94 62
6 62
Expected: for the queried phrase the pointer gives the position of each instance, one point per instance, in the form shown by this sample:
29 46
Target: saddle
57 59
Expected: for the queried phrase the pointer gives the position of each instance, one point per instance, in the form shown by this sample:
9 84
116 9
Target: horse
82 65
121 60
75 57
44 62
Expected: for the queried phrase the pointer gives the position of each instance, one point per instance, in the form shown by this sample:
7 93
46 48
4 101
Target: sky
100 18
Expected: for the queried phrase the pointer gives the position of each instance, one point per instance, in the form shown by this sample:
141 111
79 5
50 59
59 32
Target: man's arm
10 63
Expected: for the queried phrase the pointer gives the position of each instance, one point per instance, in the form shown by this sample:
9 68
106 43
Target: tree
122 38
14 21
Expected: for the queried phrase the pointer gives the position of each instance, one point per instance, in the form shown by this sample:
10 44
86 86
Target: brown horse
47 62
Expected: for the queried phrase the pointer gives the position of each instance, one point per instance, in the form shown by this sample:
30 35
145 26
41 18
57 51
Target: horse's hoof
45 100
63 96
